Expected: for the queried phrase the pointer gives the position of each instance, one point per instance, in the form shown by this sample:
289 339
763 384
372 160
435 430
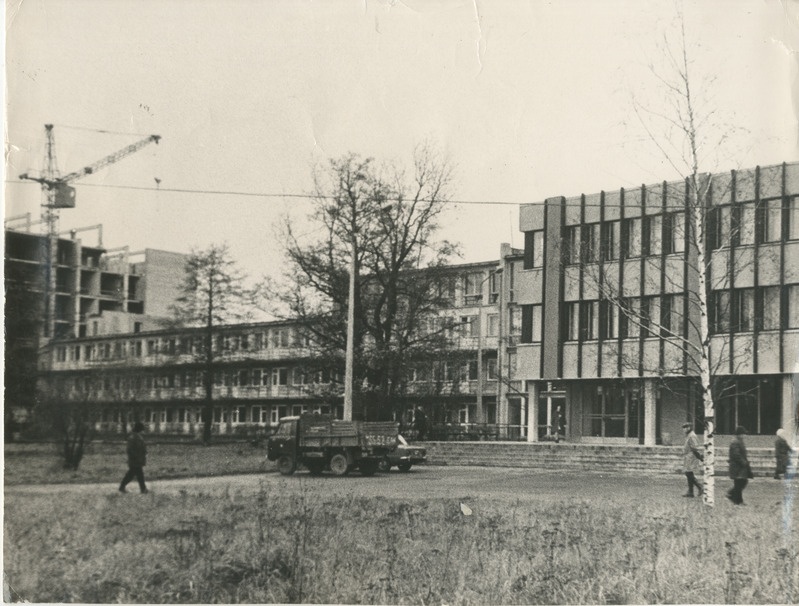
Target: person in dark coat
137 459
782 453
420 423
692 458
740 470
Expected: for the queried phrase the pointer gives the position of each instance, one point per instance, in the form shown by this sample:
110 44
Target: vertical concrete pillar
650 413
532 411
788 417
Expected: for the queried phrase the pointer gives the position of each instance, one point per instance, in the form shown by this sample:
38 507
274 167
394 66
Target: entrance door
613 412
552 414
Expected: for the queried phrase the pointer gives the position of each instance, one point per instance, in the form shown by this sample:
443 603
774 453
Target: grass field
38 463
313 546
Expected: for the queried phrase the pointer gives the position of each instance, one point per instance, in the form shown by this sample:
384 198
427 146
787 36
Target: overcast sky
528 100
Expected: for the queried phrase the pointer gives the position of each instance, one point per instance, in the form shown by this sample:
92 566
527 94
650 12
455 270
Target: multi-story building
97 291
263 371
609 311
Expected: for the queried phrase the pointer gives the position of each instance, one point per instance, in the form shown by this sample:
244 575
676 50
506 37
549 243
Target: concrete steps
582 457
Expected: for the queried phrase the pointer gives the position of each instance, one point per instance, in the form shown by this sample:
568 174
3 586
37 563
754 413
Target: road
444 482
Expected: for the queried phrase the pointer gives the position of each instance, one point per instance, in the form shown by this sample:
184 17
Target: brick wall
582 457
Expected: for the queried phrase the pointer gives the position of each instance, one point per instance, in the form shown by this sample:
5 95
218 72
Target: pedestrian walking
691 458
782 453
740 470
137 459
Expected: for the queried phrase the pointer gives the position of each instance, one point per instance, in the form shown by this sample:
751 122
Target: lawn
38 463
309 545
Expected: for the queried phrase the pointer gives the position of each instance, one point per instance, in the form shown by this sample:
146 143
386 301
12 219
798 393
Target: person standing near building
691 457
420 423
782 453
740 470
137 459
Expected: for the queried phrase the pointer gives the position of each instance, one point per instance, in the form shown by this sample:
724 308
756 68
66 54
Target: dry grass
309 547
39 463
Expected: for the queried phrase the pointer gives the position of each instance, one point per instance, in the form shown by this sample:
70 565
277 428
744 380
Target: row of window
221 414
728 225
738 310
279 338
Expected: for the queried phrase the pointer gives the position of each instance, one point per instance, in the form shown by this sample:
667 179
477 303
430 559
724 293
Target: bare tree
388 220
213 294
688 135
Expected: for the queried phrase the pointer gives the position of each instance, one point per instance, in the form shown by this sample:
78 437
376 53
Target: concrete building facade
610 312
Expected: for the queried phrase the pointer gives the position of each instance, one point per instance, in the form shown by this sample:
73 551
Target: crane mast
58 194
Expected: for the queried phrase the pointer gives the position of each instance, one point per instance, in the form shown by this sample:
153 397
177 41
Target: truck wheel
368 467
339 465
384 465
286 465
315 468
404 467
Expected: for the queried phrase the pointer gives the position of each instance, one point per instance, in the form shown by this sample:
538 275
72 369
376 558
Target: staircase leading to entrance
582 457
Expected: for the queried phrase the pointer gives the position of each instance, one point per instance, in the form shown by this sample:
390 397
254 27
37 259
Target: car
403 456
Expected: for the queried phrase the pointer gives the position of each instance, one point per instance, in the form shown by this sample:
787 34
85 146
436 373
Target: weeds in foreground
304 547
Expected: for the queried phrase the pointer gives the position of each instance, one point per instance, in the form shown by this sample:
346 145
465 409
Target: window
61 354
611 240
589 320
770 213
572 321
469 326
650 316
494 284
280 376
673 233
530 323
632 238
152 347
793 219
720 310
589 243
671 315
137 326
533 249
744 309
493 325
770 308
244 377
280 337
574 242
491 369
652 234
256 376
743 224
77 353
471 287
472 370
630 324
300 377
608 320
515 321
720 226
793 306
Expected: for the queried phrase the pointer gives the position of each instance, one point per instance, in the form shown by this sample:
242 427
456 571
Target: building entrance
613 411
552 413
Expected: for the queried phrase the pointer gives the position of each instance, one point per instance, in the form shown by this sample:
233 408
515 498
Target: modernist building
609 312
263 371
97 291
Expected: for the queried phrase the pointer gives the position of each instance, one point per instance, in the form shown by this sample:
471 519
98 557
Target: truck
320 443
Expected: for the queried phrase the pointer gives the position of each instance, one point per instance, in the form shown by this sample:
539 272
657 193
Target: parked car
403 456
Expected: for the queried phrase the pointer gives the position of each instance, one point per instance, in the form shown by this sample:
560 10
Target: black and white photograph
441 302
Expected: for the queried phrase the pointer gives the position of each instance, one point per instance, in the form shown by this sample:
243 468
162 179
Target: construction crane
58 194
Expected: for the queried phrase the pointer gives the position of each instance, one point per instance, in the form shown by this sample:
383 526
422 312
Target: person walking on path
692 457
420 423
782 453
740 470
137 459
